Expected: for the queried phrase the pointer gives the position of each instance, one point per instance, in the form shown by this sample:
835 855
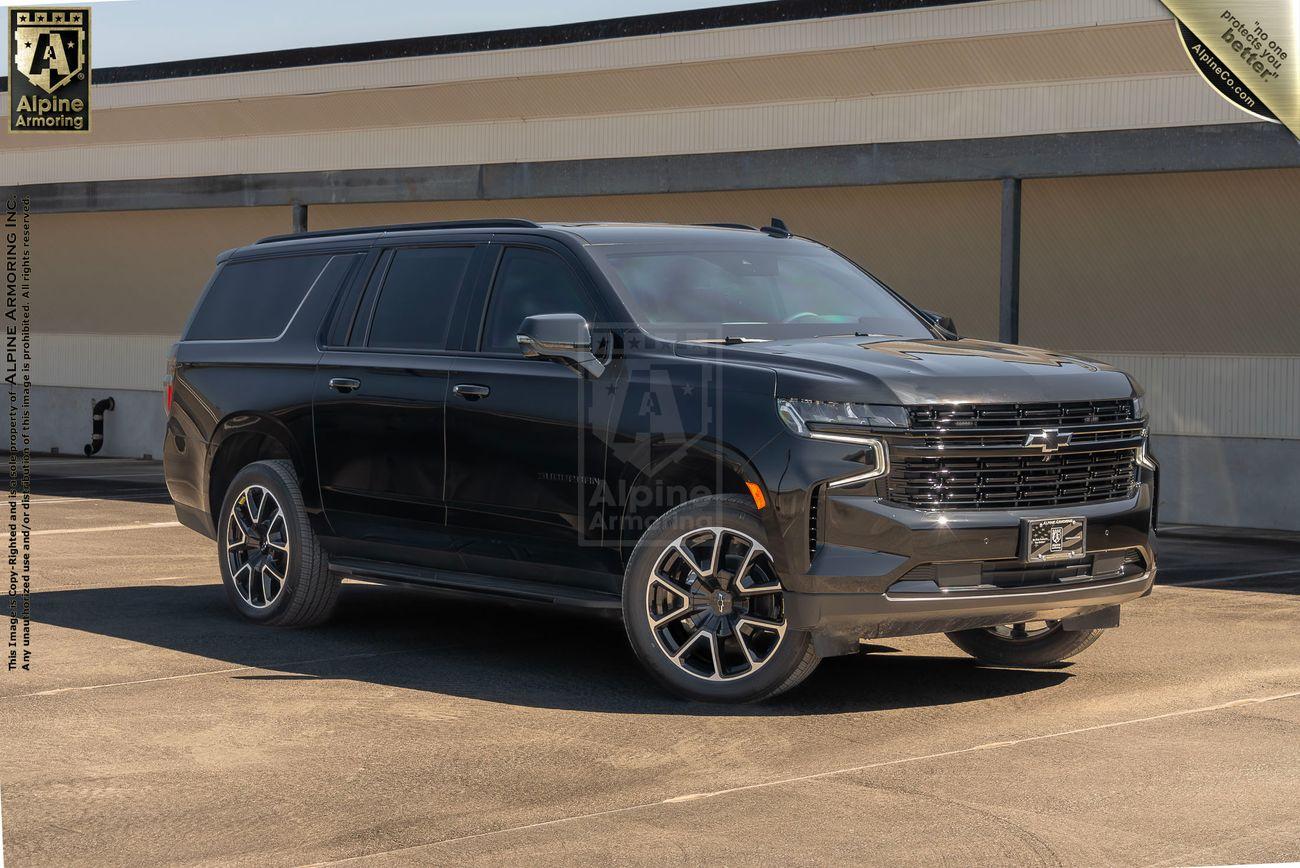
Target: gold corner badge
1246 50
49 70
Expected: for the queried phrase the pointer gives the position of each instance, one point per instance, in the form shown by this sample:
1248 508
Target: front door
380 404
525 462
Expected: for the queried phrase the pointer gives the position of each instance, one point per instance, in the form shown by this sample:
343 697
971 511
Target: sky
125 32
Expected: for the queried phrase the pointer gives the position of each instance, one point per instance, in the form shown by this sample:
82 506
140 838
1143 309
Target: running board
472 583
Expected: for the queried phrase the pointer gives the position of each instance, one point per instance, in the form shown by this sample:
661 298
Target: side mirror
563 337
943 322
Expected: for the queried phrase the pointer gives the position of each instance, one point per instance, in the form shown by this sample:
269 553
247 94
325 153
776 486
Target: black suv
741 442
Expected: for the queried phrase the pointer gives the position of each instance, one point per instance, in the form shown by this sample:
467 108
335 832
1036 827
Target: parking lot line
996 745
96 497
128 475
106 527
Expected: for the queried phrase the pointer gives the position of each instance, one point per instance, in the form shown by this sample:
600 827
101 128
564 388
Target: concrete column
299 217
1009 298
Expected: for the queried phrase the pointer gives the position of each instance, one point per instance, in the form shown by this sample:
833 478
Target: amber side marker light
757 493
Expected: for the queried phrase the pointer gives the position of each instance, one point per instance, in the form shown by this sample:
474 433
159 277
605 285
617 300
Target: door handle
470 391
344 384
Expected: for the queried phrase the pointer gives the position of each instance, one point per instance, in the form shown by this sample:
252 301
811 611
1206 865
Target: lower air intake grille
814 506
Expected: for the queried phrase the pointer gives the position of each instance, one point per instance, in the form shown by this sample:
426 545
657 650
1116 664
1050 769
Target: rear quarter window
254 299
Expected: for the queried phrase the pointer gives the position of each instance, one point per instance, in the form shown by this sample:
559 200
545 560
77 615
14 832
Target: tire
1046 648
308 592
758 657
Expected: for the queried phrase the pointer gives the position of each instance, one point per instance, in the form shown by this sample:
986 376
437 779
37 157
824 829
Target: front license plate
1054 539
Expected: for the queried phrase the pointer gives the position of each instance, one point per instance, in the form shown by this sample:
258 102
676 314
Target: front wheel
704 608
1031 643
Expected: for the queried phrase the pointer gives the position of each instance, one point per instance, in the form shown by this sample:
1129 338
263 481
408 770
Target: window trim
581 279
376 290
343 312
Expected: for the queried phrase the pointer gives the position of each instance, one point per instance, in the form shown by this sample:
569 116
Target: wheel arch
672 475
242 438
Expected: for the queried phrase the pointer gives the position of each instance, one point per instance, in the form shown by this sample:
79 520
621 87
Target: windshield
776 288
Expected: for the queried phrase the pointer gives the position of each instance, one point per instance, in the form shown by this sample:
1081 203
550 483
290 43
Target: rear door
380 403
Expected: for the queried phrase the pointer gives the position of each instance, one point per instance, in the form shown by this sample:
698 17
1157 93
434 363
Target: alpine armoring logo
49 70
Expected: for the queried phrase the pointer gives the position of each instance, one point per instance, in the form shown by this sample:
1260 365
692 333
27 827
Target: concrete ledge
1238 482
1231 534
61 420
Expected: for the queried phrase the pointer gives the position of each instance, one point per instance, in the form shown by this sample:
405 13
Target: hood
887 370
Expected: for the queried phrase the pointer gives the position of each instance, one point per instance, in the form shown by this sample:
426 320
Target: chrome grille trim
1061 414
991 464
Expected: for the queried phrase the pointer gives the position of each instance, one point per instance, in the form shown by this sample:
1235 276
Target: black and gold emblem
49 70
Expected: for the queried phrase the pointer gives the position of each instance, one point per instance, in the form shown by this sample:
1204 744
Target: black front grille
1012 481
1104 566
1051 415
992 456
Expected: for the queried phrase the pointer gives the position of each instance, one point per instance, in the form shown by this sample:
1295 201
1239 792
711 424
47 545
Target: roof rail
730 226
502 223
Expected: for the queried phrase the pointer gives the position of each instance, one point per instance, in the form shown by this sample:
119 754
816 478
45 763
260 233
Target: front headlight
799 413
1144 458
804 417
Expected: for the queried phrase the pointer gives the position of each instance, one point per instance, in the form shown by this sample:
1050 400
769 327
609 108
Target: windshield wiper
860 335
729 340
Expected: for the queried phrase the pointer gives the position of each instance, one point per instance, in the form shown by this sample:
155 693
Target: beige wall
1175 263
1128 50
1180 263
935 243
134 272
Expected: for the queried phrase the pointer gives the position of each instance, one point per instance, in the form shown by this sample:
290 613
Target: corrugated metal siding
99 361
1217 395
1054 55
1157 101
818 35
1203 262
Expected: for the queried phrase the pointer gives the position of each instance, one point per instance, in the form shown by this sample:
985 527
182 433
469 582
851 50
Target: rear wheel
704 607
272 566
1030 643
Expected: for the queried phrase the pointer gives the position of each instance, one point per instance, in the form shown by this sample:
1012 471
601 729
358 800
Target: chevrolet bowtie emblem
1049 439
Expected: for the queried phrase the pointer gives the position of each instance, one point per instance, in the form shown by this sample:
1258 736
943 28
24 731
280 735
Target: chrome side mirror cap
561 337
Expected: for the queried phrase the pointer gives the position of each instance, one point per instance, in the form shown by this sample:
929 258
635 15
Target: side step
471 583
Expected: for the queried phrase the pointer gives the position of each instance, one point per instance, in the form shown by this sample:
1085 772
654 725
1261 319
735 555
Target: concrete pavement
157 727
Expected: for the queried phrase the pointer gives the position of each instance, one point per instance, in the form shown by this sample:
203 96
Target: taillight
169 379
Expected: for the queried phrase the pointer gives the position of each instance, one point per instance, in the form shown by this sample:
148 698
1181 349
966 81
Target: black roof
497 40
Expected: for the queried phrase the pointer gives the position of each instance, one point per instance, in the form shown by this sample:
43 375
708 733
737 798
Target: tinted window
777 288
254 299
530 282
416 301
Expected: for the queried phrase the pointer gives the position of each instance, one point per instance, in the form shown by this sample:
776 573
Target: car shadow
98 489
527 656
1225 562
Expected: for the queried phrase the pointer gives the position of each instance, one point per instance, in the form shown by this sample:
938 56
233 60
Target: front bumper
840 621
885 570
